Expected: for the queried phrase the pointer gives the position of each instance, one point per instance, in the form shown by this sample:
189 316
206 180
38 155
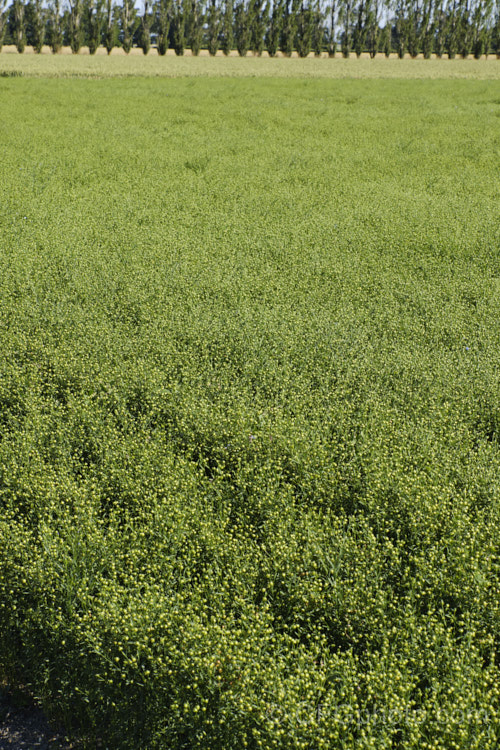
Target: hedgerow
249 444
371 26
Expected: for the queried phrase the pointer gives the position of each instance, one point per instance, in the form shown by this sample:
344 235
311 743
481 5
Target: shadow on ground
24 726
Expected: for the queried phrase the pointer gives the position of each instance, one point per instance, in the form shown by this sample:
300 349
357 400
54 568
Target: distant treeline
443 27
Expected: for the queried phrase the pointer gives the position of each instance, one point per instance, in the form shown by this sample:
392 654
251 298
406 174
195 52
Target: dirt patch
23 725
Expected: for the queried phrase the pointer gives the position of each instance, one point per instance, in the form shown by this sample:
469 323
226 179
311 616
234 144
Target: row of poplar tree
443 27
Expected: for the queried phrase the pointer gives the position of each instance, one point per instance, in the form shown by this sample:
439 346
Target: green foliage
3 18
274 27
411 26
346 17
440 24
360 28
129 23
386 40
19 31
464 35
145 32
38 26
427 40
214 23
401 30
194 22
289 26
178 28
452 36
242 27
495 37
75 25
227 28
318 28
93 10
259 20
111 26
305 21
55 39
372 34
481 27
250 433
331 33
164 10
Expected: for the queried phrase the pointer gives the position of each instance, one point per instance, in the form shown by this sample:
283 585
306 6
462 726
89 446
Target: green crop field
249 405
